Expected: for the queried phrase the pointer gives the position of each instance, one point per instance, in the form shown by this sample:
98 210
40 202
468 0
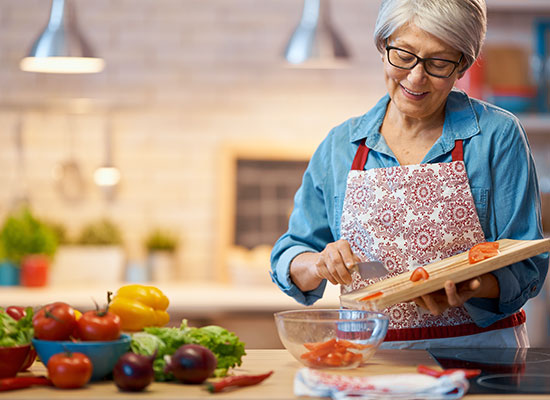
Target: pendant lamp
61 47
315 43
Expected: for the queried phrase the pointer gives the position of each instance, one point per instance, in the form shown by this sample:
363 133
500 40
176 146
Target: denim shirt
502 177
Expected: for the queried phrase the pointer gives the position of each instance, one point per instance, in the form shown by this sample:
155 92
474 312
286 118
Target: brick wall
183 78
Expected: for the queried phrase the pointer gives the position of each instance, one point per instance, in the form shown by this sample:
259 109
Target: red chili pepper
469 373
236 381
371 296
21 382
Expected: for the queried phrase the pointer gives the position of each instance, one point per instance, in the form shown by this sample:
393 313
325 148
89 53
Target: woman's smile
413 94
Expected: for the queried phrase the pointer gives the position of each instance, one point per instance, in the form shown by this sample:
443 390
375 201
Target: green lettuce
15 333
225 345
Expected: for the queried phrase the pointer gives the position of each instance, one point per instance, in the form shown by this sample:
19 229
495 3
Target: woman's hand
308 269
456 295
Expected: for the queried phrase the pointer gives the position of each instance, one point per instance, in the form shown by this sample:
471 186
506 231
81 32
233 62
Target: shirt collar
460 122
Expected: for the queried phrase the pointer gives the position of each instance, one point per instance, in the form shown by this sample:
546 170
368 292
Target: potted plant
161 246
29 244
96 255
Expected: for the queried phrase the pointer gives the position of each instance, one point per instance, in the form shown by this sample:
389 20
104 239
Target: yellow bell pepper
139 306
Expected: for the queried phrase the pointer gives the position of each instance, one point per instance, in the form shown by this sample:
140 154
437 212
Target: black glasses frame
423 61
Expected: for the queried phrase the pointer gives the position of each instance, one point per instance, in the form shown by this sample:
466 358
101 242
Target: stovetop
513 371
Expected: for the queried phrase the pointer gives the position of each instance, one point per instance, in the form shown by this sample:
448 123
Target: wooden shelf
518 5
536 123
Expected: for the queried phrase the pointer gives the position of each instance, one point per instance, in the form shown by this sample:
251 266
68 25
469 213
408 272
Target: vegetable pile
225 345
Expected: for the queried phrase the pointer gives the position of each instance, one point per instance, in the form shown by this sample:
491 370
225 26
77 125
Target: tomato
419 274
371 296
16 312
55 321
98 325
69 370
482 251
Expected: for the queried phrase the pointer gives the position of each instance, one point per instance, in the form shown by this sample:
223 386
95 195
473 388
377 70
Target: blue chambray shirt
502 178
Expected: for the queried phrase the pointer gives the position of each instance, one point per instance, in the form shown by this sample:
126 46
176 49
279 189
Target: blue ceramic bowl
103 355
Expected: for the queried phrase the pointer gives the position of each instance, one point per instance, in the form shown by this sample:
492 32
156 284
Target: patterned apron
409 216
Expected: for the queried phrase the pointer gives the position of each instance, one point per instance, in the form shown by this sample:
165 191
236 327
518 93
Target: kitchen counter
192 299
277 387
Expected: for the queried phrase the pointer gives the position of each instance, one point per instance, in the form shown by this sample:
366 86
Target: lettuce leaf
225 345
16 333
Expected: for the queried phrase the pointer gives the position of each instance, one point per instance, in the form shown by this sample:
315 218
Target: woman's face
414 93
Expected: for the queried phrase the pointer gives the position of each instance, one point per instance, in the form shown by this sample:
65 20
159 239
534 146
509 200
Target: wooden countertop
277 387
191 299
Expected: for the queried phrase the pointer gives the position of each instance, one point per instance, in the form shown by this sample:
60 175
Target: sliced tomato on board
419 274
482 251
371 296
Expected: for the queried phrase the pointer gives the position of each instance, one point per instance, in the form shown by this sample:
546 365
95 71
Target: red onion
134 372
192 363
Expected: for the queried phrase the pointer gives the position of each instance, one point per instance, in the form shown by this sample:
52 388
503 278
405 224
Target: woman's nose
417 74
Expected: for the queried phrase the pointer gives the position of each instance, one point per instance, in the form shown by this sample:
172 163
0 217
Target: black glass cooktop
513 371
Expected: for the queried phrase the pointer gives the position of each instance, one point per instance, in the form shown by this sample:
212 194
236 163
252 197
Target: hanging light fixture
315 43
61 47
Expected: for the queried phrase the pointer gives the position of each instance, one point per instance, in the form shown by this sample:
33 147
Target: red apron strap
360 157
363 151
458 152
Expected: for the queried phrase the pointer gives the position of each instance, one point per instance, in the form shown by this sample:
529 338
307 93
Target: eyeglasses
438 67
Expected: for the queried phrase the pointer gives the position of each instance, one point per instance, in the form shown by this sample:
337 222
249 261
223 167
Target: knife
370 269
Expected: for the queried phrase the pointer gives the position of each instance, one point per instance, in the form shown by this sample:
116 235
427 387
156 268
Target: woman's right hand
307 270
334 262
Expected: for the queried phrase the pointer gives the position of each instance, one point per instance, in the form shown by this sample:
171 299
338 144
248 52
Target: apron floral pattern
409 216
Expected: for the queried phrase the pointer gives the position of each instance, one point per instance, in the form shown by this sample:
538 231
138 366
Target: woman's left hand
456 295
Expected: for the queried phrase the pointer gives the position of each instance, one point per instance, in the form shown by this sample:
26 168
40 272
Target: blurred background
177 162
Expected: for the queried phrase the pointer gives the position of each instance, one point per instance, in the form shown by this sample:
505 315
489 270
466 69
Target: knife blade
370 269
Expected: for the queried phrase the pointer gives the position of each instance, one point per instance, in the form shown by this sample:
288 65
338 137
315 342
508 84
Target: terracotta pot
34 270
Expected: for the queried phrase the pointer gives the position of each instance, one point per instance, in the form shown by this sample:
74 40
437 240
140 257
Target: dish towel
316 383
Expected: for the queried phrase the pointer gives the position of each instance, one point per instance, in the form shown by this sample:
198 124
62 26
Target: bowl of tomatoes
331 338
95 334
103 355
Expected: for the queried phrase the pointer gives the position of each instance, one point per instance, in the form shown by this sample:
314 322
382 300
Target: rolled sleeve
281 277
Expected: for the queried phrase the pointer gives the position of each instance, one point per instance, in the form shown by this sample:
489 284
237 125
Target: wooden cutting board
457 268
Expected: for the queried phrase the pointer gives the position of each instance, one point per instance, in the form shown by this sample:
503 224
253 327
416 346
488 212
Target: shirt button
534 288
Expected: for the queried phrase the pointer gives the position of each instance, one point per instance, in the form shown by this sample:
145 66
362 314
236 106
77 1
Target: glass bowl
331 338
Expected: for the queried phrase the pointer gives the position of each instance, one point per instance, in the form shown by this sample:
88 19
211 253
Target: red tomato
16 312
55 321
371 296
482 251
69 370
98 326
419 274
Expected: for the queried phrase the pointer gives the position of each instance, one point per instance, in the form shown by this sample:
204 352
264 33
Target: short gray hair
461 24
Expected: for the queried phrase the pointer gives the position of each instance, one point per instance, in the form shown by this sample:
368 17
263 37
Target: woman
433 172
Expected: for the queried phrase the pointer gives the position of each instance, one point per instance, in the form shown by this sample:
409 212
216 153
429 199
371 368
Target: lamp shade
315 43
61 47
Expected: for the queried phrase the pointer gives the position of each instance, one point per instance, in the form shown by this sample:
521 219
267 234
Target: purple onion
192 363
134 372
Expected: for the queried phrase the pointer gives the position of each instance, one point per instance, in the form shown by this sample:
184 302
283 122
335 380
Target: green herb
225 345
15 333
22 233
